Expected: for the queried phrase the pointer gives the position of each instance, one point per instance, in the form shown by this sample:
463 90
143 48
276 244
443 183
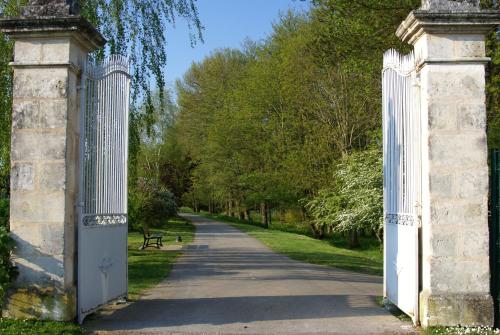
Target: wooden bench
151 239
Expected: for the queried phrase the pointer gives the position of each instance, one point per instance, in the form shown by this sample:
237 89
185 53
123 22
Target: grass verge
333 253
146 268
459 331
35 327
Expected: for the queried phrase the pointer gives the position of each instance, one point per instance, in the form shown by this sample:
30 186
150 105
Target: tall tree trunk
318 231
380 235
230 208
329 229
246 215
269 216
263 214
302 214
238 209
353 239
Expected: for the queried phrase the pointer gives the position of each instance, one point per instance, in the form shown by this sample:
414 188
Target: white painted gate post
448 37
50 42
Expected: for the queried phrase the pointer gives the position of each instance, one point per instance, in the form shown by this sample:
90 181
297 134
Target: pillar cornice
419 22
73 26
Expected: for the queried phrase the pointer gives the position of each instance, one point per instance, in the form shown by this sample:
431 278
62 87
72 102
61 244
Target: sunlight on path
229 283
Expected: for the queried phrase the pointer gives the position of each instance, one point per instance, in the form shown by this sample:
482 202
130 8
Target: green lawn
34 327
459 331
146 268
332 251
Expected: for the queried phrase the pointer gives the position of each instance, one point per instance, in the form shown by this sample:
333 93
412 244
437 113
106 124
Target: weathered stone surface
442 116
49 303
42 83
456 309
28 51
453 275
446 213
441 185
53 113
39 51
45 145
47 114
52 177
37 267
41 8
473 184
438 46
444 244
25 114
463 82
451 5
469 46
458 150
472 116
37 207
56 50
441 47
39 239
23 177
475 241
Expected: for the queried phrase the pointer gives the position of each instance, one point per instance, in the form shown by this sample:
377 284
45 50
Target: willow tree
133 28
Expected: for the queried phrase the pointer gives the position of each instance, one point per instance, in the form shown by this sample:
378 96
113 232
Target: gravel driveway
227 282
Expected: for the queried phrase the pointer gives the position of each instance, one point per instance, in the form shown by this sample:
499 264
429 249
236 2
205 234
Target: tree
353 201
267 126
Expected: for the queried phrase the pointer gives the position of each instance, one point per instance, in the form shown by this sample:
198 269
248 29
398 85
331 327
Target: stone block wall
44 183
455 237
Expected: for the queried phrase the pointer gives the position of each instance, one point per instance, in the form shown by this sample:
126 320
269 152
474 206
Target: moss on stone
46 303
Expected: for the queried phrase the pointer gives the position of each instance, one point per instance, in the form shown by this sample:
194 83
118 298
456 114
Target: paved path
230 283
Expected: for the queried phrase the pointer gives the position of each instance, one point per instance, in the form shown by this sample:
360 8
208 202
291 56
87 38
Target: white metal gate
102 224
402 181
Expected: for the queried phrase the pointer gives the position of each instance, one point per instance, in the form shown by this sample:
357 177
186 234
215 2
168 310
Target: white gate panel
402 181
102 224
104 267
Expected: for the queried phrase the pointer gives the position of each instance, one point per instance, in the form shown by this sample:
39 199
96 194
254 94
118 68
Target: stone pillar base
456 309
47 303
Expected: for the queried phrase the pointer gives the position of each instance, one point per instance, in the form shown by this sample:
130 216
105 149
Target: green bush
150 205
4 212
7 270
158 208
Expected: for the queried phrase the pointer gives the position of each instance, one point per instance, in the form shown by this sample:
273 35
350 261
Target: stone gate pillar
449 42
51 40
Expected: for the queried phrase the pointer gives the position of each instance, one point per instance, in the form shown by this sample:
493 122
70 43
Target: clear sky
227 23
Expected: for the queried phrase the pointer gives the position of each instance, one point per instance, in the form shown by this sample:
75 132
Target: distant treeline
290 124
